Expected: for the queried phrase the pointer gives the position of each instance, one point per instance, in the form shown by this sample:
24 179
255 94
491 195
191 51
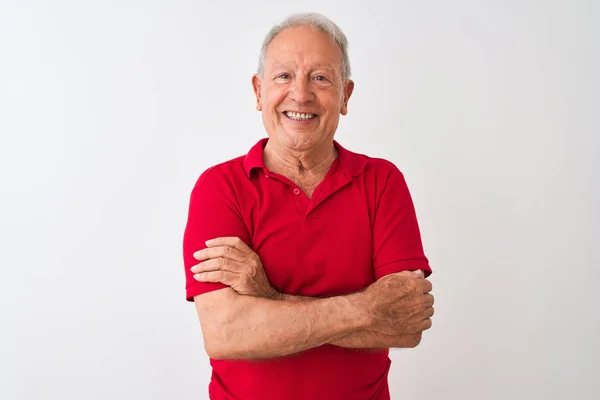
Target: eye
285 75
320 78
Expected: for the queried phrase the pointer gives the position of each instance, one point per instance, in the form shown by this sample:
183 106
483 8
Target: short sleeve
397 242
213 212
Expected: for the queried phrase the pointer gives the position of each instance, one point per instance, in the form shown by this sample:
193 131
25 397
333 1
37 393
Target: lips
298 116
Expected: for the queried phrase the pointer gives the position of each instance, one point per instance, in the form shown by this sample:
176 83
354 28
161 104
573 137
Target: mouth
297 116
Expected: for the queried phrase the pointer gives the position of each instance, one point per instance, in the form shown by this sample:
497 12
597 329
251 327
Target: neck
312 162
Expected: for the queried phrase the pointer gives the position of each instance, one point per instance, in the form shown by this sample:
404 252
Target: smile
299 116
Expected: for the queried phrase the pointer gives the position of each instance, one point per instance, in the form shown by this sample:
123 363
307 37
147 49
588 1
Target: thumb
418 274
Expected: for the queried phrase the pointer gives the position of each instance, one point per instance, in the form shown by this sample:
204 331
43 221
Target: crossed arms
250 320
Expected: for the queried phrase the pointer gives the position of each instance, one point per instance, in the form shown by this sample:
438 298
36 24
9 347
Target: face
301 93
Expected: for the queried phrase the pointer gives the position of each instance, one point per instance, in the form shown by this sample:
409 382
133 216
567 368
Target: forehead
303 44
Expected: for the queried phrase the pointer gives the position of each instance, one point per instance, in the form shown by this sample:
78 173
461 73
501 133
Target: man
301 254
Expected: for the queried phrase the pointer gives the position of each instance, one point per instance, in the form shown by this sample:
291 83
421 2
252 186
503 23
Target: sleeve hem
405 265
200 288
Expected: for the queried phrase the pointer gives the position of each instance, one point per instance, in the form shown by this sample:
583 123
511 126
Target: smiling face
301 93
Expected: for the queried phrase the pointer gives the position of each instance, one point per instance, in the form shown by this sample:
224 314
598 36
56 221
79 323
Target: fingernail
209 242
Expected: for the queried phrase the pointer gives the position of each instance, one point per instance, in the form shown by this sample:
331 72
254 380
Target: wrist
362 316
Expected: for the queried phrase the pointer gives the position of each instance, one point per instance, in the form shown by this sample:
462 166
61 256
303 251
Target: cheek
272 98
333 108
332 102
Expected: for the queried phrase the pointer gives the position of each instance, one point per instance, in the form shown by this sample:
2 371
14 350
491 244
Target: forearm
363 339
258 328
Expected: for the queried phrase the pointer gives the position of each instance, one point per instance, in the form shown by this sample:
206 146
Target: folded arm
239 326
247 327
364 338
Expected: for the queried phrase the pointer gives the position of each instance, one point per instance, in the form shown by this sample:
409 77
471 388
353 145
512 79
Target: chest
320 246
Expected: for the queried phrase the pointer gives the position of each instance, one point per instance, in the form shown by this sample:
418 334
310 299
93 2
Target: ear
348 89
256 85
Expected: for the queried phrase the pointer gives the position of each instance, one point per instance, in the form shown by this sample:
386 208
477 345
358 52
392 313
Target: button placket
334 184
299 198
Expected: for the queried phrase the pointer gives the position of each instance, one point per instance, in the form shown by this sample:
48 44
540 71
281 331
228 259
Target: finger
426 324
428 312
221 264
215 264
406 273
231 241
428 300
427 286
225 277
219 251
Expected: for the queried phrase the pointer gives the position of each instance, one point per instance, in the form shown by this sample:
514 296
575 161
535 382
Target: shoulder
383 176
378 175
224 173
219 184
382 166
370 167
375 167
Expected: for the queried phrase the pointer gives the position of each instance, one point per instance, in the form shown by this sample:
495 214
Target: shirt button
296 191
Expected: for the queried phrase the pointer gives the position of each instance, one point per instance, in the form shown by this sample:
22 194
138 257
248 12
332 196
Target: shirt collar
349 162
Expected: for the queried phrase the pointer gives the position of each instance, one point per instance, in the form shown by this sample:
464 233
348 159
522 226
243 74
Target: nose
301 91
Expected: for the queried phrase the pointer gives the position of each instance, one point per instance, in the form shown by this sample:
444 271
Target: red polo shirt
359 225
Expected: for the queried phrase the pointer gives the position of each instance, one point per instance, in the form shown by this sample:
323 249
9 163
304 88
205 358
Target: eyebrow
327 67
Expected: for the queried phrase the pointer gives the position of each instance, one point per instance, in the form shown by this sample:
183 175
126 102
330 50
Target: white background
110 110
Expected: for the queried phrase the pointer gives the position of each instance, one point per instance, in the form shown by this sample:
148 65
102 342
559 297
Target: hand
230 261
400 304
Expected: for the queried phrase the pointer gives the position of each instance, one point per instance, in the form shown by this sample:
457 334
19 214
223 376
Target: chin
300 140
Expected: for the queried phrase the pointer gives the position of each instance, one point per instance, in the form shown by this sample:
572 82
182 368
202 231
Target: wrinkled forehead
303 46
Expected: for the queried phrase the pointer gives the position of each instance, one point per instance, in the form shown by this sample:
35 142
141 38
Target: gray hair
316 21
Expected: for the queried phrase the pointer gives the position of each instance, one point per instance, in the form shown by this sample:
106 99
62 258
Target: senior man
304 259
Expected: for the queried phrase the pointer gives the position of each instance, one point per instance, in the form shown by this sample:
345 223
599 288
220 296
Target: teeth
299 116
